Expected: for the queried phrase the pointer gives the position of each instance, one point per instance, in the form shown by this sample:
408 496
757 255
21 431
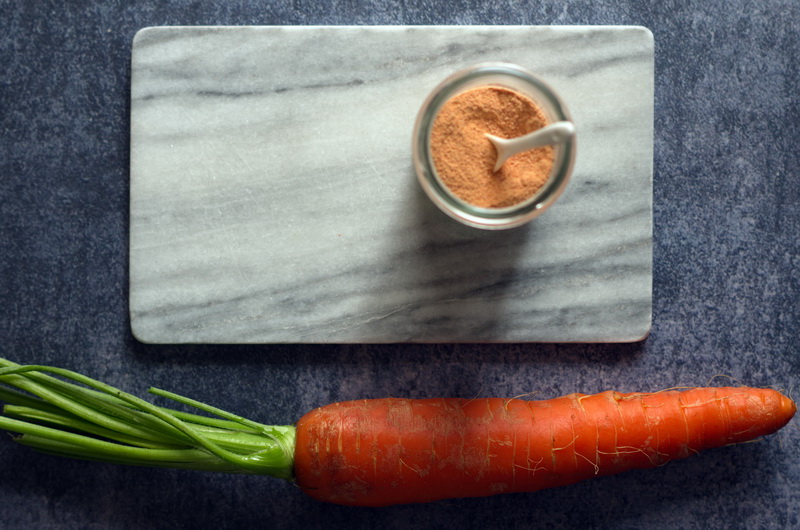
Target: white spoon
555 133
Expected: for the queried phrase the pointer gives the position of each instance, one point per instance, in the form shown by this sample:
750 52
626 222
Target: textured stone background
726 288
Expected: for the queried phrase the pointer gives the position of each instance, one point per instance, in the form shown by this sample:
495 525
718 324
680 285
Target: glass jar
515 78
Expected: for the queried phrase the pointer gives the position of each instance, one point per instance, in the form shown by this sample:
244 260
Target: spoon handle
555 133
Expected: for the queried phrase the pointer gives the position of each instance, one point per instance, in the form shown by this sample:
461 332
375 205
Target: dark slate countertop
726 281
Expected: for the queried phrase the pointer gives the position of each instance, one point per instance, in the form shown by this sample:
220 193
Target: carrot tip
788 407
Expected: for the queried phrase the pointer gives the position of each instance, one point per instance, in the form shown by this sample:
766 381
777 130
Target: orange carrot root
392 451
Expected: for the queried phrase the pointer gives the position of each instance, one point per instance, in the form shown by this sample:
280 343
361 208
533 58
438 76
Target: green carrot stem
275 433
8 395
107 415
173 458
140 433
67 422
210 422
15 397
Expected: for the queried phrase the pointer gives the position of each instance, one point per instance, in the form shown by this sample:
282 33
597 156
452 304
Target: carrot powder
391 451
464 158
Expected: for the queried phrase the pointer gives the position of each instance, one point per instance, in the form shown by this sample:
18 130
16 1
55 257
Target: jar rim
516 78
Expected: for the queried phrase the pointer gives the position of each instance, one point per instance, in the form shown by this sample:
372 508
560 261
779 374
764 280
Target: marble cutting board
273 199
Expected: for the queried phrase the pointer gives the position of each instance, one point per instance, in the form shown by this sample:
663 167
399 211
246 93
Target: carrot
391 451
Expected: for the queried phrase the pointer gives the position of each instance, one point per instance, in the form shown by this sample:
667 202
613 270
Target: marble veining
273 197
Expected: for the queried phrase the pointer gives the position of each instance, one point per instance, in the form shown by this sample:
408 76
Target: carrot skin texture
395 451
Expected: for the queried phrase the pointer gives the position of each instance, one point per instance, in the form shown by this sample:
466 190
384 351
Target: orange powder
464 157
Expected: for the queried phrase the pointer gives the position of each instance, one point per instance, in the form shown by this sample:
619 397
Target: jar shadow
448 282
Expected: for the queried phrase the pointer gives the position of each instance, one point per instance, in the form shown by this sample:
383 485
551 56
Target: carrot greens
77 416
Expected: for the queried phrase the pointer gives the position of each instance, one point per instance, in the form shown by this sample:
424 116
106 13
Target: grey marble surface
273 197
